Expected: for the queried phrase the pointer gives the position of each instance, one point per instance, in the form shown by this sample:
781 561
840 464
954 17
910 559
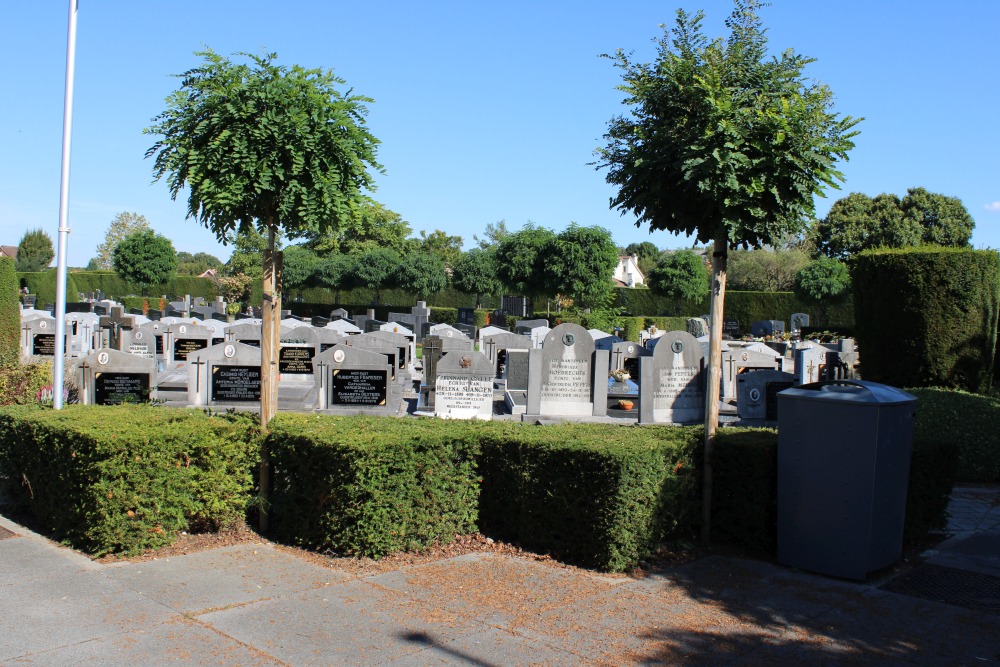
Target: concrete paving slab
495 589
26 559
488 647
974 552
70 607
177 642
219 578
351 623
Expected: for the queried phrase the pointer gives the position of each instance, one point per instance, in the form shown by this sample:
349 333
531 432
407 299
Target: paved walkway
260 605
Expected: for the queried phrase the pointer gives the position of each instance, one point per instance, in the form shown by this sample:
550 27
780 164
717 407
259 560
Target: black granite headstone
358 387
118 388
235 383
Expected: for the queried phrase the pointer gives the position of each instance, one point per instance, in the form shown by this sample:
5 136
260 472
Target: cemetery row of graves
193 355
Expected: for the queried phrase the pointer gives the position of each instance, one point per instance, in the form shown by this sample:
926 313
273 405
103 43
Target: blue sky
486 111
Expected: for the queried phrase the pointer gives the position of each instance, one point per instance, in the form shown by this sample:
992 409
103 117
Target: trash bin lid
850 391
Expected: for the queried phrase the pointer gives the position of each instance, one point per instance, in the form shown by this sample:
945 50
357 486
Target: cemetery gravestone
464 387
110 377
757 393
799 320
352 380
567 377
184 339
672 384
697 326
810 363
227 374
295 356
764 328
516 389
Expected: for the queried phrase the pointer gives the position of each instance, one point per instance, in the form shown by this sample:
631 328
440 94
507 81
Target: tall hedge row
111 284
10 314
927 316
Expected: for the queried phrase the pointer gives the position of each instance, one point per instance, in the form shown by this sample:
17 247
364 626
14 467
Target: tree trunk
269 341
719 260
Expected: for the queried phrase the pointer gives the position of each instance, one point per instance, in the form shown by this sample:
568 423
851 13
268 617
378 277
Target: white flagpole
58 368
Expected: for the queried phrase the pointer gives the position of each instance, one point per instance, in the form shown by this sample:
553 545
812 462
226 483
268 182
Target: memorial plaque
185 346
463 396
235 383
358 387
118 388
731 328
296 360
44 345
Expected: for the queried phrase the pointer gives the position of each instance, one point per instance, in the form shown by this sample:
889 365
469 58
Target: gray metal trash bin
843 465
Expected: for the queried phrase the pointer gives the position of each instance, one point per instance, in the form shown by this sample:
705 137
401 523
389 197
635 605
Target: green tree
476 273
336 272
823 280
579 263
145 258
858 222
520 258
260 145
648 253
34 252
376 270
123 224
681 274
248 253
196 264
943 220
422 273
448 248
299 266
765 269
724 143
494 233
370 225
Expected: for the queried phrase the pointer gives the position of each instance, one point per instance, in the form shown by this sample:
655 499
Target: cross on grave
197 363
810 368
322 365
114 322
618 357
432 353
85 367
490 344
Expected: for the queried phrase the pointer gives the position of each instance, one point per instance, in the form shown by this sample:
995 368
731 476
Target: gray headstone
227 374
756 393
799 320
672 387
568 376
353 380
516 370
697 326
810 362
110 377
495 347
464 386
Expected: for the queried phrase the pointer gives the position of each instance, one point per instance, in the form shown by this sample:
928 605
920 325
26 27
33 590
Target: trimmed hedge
10 314
968 424
371 486
602 496
112 284
928 316
127 478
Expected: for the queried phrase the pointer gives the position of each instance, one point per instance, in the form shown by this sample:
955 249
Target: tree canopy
34 252
579 262
520 258
421 273
823 279
443 245
858 222
648 255
723 141
299 267
476 273
196 264
765 269
260 144
145 258
376 270
371 225
681 274
123 224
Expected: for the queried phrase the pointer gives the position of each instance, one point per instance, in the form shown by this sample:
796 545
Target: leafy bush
127 478
20 384
928 316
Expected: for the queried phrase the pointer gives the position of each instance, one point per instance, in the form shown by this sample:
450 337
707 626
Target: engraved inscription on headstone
44 345
352 386
297 360
464 396
185 346
235 383
567 380
118 388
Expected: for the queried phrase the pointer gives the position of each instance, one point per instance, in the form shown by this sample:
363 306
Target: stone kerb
568 376
110 377
227 374
352 380
672 381
464 386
